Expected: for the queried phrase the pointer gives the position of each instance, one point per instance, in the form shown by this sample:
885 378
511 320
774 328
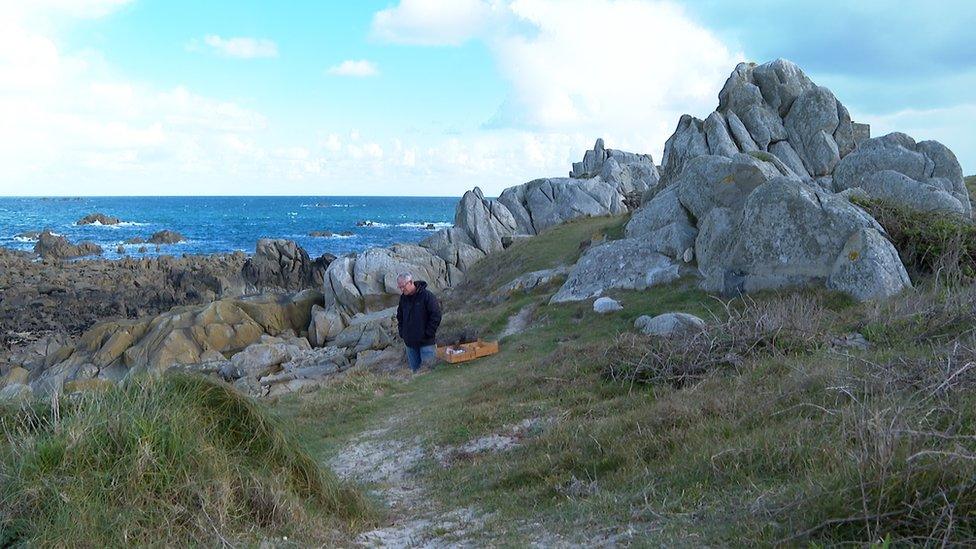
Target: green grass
559 245
179 460
971 185
789 442
929 243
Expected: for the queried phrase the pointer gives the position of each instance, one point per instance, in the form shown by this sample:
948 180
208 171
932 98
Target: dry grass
782 326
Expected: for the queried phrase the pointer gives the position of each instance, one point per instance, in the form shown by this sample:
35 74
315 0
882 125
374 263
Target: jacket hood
420 284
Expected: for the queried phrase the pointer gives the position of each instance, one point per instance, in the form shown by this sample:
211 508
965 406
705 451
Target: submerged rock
51 246
166 237
98 219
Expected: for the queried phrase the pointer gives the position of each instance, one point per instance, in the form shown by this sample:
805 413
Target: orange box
470 351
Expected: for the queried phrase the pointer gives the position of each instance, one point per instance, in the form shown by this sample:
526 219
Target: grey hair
405 277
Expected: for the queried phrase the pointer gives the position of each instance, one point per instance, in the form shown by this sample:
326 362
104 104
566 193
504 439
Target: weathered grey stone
923 196
592 162
687 142
895 151
781 83
278 264
630 173
868 267
604 305
454 247
340 287
530 281
629 264
484 221
785 153
716 181
928 163
811 124
844 134
717 135
716 237
375 271
55 246
789 234
740 133
545 203
669 324
664 223
325 325
368 331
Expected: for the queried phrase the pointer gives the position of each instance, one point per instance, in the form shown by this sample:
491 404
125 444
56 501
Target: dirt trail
389 467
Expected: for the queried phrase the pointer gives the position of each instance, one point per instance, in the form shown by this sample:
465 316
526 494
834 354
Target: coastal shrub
787 324
930 244
181 459
906 457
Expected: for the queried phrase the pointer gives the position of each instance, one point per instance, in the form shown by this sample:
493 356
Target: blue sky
428 97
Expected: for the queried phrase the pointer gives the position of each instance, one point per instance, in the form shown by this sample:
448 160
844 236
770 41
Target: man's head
405 284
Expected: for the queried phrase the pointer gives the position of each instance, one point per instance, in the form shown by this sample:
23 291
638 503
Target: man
418 316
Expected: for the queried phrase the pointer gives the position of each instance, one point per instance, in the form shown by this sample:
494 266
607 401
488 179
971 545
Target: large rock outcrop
544 203
626 171
279 264
629 264
924 176
756 195
115 350
773 108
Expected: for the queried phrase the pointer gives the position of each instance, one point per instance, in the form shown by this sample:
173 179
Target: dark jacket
418 316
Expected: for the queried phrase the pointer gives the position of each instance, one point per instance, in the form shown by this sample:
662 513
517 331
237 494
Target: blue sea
227 224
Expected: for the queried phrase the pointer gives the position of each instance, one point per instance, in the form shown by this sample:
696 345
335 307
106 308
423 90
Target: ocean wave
327 205
424 224
373 224
26 239
118 225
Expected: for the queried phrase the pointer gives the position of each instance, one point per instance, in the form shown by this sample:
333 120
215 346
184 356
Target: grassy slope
784 446
181 460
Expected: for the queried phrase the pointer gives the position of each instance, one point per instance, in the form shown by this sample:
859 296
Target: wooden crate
472 351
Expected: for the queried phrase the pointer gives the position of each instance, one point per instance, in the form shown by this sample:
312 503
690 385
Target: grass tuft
181 459
930 244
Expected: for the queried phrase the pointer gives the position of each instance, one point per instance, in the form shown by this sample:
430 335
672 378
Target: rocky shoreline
759 195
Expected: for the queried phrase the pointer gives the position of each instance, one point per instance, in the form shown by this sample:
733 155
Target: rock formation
756 195
98 219
52 246
165 237
282 265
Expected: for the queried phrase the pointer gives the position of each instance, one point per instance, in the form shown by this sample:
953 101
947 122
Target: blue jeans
418 356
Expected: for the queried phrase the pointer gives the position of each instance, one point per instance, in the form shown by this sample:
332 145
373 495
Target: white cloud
434 22
242 47
361 68
601 67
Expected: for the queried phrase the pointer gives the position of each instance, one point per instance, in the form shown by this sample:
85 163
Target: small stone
605 305
670 324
